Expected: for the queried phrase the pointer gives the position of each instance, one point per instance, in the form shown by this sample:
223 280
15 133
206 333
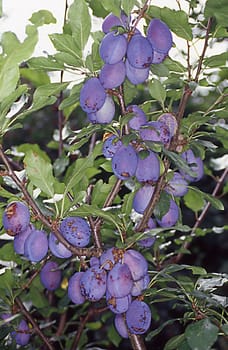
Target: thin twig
154 199
90 314
33 323
209 24
202 215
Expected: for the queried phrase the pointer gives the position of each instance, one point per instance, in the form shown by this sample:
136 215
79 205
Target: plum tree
113 154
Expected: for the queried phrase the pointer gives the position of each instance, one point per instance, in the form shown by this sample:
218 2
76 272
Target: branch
154 199
90 314
51 225
209 23
33 322
202 215
139 17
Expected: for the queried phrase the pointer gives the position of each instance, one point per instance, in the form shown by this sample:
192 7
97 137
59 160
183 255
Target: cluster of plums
130 55
34 244
125 55
121 277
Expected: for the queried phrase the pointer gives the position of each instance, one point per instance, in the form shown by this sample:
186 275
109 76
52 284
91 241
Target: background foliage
52 159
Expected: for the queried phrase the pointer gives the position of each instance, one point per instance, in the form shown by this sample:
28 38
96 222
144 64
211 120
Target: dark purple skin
140 285
111 21
16 218
136 75
104 115
76 231
119 280
177 185
94 261
159 35
142 198
19 239
148 169
139 52
93 283
50 275
118 305
158 57
195 164
110 146
121 325
36 246
171 217
155 131
170 120
148 241
113 48
124 162
57 248
138 118
22 335
136 263
92 95
138 317
74 289
112 75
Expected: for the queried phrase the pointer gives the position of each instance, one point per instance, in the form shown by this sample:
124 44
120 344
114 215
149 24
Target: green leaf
9 73
42 17
216 203
160 69
66 43
9 76
155 332
222 135
39 171
218 9
45 63
201 335
177 21
50 89
75 175
98 8
179 162
216 60
127 6
36 77
194 200
92 210
113 6
157 90
6 280
162 206
80 23
174 342
174 66
9 100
